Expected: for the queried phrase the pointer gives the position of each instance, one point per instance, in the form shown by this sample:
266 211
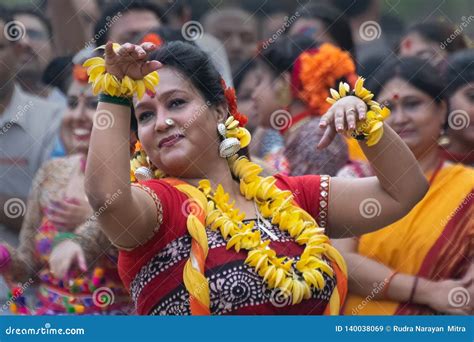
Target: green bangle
60 237
123 101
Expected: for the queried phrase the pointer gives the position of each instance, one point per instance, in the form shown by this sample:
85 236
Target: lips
81 133
170 140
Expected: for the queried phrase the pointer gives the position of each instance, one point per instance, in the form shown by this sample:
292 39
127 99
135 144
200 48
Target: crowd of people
248 162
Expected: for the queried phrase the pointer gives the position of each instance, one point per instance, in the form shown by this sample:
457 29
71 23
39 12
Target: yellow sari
434 241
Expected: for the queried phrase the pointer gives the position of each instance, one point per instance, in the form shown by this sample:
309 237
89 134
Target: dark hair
194 64
416 71
459 70
5 14
58 73
281 55
352 8
167 34
439 32
245 68
122 7
35 13
336 23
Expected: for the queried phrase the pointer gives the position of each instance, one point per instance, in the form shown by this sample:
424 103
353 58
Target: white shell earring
229 146
143 173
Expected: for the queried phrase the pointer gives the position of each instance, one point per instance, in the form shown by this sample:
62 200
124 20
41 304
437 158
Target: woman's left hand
341 117
69 213
62 257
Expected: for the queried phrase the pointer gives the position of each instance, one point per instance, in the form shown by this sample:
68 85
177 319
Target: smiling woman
213 237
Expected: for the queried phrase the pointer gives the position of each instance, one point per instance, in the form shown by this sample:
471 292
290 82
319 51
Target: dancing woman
212 236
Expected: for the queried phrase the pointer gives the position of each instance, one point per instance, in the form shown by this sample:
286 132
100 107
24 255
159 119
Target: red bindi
407 44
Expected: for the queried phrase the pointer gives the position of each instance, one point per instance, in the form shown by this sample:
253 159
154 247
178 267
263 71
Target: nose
398 116
79 112
160 123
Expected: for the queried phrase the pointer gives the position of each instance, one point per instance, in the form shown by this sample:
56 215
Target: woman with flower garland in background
458 143
421 264
212 236
62 250
299 75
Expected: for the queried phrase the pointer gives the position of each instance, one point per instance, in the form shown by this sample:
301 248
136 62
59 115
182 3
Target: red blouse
153 272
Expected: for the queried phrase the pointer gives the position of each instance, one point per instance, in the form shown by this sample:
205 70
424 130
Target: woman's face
189 147
244 96
416 117
414 45
265 96
461 104
77 121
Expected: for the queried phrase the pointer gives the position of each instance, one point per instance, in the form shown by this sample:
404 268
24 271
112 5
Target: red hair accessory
80 73
232 104
153 38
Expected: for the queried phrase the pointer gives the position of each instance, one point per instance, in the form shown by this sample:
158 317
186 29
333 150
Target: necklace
293 278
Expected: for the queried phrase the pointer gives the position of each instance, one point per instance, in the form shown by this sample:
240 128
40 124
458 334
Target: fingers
362 110
326 119
339 119
149 47
109 50
81 260
327 138
351 118
150 66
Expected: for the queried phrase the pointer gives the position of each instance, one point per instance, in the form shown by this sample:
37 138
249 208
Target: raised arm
127 215
359 206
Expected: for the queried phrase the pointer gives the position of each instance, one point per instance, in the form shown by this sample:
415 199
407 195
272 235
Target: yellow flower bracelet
103 82
370 129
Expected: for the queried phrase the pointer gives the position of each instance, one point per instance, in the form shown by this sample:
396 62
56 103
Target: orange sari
434 241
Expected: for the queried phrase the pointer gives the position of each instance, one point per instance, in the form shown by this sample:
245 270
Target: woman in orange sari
421 264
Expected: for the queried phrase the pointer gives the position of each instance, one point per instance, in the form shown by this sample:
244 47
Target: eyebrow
166 94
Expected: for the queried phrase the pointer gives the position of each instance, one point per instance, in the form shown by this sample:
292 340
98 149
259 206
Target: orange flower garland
319 71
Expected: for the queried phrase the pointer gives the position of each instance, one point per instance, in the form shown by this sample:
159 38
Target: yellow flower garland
103 82
370 129
277 205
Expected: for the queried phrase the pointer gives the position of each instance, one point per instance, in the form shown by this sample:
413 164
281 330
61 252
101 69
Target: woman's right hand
448 296
130 60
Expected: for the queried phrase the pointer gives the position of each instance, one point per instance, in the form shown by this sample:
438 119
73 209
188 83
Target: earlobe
221 112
